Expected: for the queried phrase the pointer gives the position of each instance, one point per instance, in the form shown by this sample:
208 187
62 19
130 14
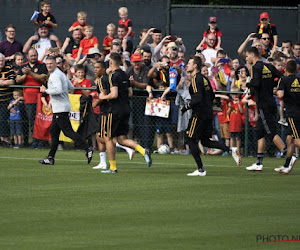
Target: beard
147 62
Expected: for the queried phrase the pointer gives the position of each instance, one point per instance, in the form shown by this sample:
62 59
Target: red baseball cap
212 19
264 15
136 57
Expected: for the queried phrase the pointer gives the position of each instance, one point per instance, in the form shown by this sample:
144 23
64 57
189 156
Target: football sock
259 159
140 149
195 151
287 162
112 165
102 158
123 147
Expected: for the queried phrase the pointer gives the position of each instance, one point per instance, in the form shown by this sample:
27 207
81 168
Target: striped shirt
6 73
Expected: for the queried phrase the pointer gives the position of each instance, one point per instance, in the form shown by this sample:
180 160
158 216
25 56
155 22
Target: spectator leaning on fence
7 78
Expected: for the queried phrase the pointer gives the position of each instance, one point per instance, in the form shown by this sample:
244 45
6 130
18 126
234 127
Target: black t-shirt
72 47
291 87
102 84
7 73
119 79
38 68
270 29
202 97
41 18
141 76
263 82
165 77
129 46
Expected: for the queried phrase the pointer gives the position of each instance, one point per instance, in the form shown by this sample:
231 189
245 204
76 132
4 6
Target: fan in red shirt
110 29
123 13
80 23
81 81
235 113
212 28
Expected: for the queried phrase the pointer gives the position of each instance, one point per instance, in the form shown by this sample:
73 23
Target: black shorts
294 127
114 124
266 123
199 129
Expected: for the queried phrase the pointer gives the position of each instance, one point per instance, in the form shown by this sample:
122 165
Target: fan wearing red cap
212 28
266 27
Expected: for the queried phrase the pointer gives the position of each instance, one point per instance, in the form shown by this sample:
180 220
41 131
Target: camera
224 60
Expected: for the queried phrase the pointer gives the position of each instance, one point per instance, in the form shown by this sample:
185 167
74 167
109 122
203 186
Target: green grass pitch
71 206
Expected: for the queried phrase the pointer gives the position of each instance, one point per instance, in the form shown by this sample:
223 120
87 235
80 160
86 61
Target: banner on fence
157 107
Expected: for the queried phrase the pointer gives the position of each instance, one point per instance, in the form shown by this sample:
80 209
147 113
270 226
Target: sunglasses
265 38
174 48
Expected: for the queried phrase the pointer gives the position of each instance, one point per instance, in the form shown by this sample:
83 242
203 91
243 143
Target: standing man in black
200 124
289 90
262 81
117 121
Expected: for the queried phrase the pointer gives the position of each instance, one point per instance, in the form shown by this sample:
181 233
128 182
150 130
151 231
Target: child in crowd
18 61
212 28
81 81
235 112
15 119
164 125
45 16
110 29
88 42
224 120
123 13
80 23
239 78
266 27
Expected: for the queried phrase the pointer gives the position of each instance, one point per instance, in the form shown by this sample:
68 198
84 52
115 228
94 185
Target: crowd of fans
155 63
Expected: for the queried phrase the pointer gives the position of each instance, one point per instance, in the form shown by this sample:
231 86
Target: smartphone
164 64
53 50
173 38
224 60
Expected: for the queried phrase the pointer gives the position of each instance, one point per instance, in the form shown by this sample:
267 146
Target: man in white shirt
210 53
59 87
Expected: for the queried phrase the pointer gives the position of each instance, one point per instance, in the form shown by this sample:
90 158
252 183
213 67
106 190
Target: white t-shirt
41 46
209 53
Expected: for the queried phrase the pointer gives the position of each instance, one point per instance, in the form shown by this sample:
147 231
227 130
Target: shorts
224 130
294 127
199 129
114 124
15 127
266 123
163 125
235 134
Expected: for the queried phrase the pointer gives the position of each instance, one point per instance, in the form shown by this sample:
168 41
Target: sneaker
60 147
174 151
89 154
130 153
155 151
100 166
197 173
48 161
236 156
292 162
148 158
185 152
280 169
283 122
109 171
255 167
225 154
17 146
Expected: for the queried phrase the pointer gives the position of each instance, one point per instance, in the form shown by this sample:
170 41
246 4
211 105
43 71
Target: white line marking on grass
129 162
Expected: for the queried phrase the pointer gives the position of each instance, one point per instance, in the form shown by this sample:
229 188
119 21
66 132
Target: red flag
227 69
43 120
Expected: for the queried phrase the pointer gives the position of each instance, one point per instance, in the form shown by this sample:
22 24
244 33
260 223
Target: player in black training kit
289 90
262 81
200 124
117 121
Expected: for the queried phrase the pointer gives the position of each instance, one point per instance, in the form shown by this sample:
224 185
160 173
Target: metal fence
143 128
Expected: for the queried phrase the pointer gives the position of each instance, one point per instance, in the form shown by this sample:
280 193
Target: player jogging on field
117 121
262 81
289 90
200 124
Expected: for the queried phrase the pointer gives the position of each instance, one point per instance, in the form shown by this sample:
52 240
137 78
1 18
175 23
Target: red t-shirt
78 24
107 42
216 33
127 23
87 44
222 115
84 83
236 122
